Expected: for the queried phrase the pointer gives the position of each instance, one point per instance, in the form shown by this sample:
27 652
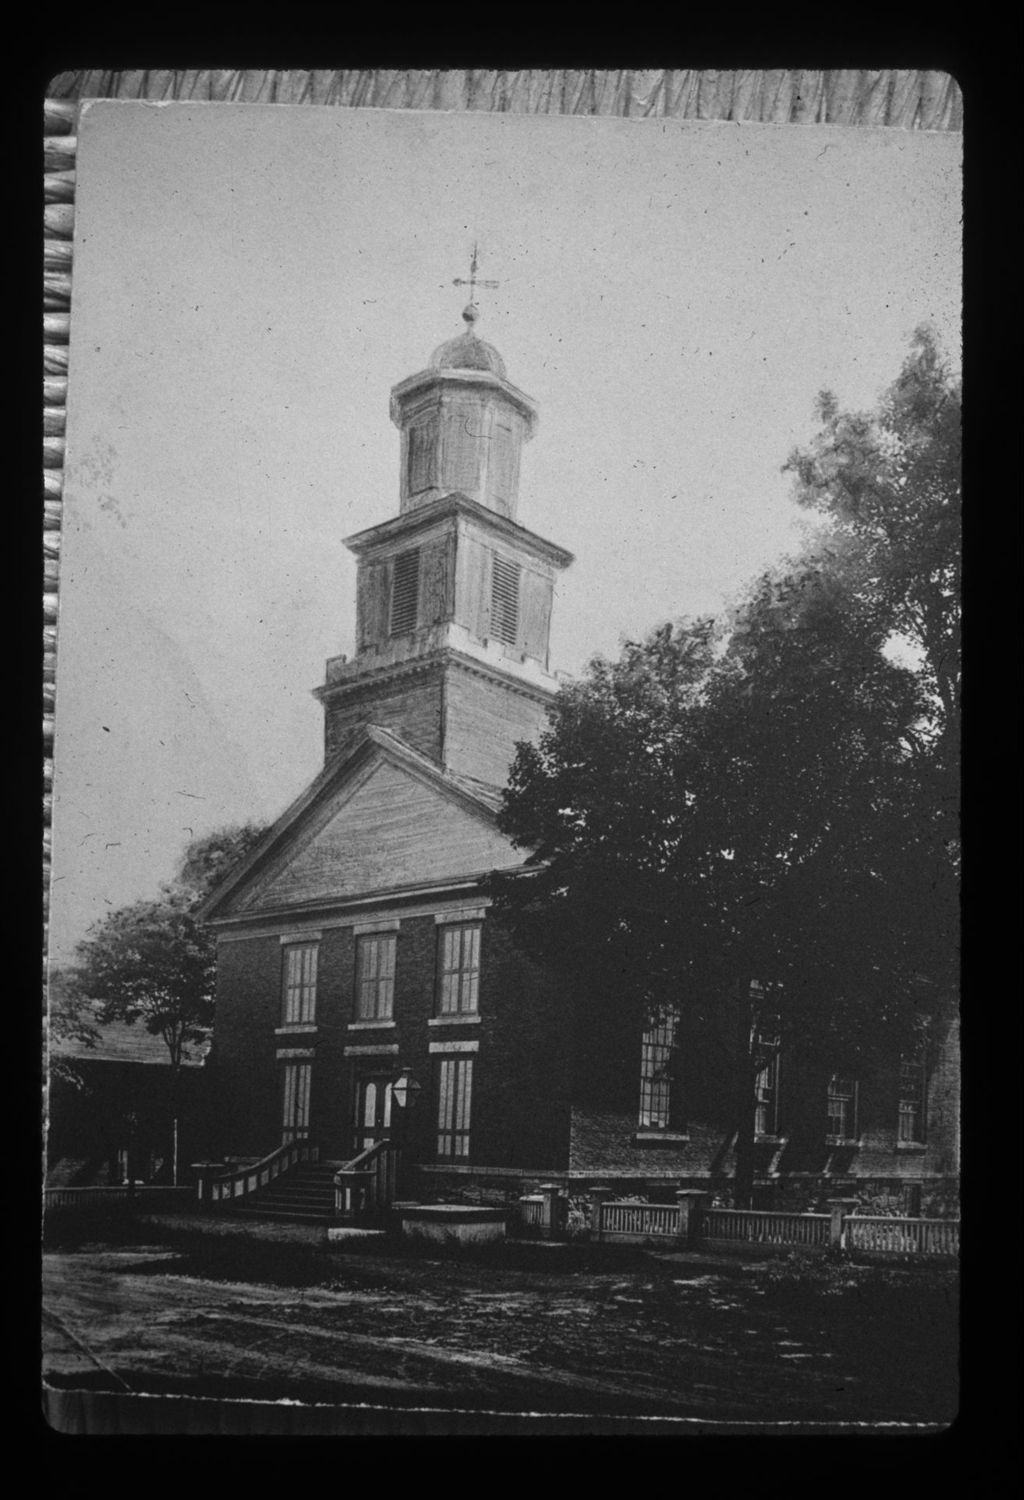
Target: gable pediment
384 824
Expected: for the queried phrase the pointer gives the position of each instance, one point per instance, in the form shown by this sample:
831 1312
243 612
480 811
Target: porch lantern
406 1090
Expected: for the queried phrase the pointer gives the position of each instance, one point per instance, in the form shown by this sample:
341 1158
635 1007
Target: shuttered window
458 970
298 1001
454 1098
504 600
295 1101
375 977
405 591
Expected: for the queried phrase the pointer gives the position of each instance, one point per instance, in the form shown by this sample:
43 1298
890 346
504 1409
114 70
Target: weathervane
471 311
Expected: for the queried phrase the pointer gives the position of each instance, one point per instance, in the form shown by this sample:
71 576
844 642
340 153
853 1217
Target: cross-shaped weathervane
473 282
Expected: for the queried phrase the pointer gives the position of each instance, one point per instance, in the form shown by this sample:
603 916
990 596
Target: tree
70 1020
768 798
154 962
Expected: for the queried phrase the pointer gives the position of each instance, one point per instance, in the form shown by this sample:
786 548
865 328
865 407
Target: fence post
549 1210
205 1171
598 1197
838 1209
692 1203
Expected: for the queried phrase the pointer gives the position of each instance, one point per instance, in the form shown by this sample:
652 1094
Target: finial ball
470 313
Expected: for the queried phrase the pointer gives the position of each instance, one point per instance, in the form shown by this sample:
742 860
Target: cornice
413 666
481 379
438 659
476 668
332 911
456 504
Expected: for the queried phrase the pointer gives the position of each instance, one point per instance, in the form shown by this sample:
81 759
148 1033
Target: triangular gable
383 818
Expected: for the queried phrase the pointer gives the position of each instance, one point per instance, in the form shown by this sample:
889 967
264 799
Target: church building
358 953
354 943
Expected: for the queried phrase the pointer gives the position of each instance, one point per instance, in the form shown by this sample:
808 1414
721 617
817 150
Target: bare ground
228 1314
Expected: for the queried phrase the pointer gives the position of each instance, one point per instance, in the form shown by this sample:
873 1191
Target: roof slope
381 816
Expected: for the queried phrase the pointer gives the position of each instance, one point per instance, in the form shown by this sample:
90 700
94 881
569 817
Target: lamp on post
404 1092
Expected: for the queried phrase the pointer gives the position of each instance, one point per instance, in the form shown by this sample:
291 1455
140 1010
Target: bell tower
463 426
454 596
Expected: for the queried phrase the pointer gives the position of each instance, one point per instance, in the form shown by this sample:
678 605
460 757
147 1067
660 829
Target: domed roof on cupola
467 352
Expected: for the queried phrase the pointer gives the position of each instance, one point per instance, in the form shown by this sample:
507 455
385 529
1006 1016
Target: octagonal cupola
463 425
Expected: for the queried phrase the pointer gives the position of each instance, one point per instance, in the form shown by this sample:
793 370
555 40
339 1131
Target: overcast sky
250 281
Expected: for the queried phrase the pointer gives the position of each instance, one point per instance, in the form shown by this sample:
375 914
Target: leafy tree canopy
154 961
71 1019
772 795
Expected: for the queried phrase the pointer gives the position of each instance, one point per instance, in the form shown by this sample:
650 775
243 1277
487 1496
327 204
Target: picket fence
631 1221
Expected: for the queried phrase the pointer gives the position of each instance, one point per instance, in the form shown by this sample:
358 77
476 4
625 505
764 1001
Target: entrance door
373 1110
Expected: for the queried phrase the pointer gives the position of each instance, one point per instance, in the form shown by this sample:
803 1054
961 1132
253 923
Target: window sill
296 1028
914 1147
769 1140
466 1020
653 1137
842 1140
370 1025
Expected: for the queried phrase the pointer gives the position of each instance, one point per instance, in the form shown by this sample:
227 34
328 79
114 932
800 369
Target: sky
250 281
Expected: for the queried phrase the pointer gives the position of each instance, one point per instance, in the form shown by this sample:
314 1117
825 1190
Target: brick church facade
357 943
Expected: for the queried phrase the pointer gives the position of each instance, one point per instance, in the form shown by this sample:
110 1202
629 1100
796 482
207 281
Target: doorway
373 1110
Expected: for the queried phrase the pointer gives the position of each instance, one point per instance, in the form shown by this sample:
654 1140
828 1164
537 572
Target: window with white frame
375 976
764 1046
298 984
910 1119
842 1108
454 1101
458 969
656 1048
295 1083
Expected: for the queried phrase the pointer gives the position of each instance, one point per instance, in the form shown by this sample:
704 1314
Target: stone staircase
303 1195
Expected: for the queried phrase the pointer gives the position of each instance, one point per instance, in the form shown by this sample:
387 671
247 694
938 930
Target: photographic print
502 940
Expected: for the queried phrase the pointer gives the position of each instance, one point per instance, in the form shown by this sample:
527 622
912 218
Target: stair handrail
365 1186
217 1183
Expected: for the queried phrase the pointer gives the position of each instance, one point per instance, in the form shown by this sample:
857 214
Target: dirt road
657 1338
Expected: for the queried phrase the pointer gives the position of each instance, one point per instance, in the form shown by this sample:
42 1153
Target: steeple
453 595
463 425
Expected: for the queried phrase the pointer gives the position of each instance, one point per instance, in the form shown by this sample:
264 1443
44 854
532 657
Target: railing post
598 1198
205 1171
549 1210
692 1203
838 1209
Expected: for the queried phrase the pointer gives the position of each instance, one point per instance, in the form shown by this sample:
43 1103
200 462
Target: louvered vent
504 600
405 592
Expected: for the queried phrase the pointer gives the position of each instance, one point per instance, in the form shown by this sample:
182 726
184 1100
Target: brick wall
330 1105
520 1100
547 1072
242 1065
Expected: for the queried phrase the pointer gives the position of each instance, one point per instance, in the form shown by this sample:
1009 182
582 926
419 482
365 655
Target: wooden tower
453 595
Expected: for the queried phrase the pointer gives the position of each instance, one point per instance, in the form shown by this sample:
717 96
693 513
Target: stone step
283 1216
293 1206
